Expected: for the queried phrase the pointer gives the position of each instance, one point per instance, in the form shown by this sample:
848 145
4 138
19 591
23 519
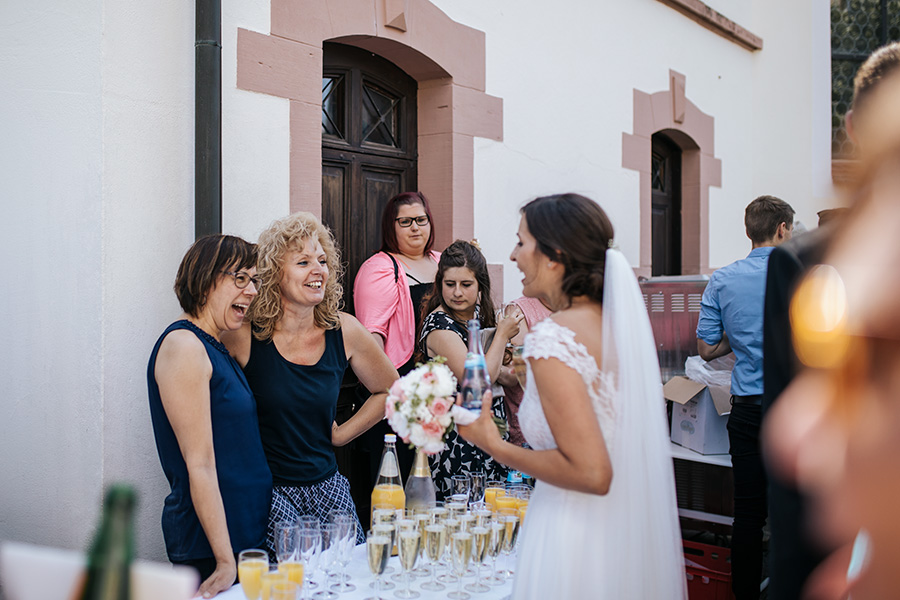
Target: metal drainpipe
208 118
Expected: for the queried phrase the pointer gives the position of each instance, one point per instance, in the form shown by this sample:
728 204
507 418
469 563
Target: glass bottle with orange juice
389 486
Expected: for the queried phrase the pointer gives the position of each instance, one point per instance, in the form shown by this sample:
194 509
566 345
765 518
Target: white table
358 570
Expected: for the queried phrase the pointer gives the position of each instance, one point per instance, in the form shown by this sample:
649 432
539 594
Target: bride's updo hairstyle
575 232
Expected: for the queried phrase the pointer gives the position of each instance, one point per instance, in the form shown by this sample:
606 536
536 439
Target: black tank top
418 293
296 405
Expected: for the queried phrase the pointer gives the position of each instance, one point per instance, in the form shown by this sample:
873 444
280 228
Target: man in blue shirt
731 320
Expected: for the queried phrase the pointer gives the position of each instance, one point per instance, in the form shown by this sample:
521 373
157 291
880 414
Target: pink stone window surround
446 58
671 113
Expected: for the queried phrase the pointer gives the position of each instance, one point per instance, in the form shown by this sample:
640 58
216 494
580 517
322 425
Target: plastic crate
708 570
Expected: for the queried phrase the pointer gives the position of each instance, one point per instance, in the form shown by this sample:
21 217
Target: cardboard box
699 415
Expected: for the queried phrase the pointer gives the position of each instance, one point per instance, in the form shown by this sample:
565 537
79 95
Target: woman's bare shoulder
181 352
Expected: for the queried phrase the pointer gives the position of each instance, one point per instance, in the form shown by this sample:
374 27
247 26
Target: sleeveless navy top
296 405
245 483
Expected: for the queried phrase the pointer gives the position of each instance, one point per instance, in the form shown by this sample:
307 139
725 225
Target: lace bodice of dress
552 340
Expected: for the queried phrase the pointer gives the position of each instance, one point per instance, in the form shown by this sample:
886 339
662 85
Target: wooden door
368 149
665 183
368 155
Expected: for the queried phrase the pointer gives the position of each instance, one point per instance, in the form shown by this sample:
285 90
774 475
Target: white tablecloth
358 570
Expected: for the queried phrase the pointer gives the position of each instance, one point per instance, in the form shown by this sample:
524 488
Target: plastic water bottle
475 379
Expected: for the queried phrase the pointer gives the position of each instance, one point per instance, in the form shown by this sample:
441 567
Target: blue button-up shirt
733 303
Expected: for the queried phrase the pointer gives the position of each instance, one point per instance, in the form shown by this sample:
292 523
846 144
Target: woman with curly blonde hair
294 356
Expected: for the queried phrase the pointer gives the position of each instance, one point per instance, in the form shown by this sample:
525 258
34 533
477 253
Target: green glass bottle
109 561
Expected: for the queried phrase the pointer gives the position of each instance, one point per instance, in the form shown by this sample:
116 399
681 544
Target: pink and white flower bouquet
419 406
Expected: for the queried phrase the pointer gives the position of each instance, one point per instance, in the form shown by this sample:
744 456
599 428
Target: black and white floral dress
460 457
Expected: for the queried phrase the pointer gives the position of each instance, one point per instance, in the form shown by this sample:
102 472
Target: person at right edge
731 320
794 551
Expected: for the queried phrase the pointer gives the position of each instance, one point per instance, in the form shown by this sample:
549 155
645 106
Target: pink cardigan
384 306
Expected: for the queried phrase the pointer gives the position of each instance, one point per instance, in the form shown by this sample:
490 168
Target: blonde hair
282 236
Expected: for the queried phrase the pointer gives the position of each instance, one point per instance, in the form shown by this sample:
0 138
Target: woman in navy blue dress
204 417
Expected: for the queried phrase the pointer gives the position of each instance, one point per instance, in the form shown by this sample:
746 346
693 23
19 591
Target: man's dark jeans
750 506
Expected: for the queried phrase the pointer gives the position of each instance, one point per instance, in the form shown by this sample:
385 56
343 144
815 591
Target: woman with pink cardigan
388 292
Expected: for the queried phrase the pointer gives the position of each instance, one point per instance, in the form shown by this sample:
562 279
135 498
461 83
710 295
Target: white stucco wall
52 378
565 114
255 135
97 151
147 224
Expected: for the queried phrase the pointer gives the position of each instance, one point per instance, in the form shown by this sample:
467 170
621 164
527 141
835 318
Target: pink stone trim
716 22
670 112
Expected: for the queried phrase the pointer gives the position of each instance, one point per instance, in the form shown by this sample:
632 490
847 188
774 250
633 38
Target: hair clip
474 242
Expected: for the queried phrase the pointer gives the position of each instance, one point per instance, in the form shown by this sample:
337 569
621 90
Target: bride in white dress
602 521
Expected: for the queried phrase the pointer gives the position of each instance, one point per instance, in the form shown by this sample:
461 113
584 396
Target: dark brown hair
462 254
880 65
389 216
763 216
574 231
204 263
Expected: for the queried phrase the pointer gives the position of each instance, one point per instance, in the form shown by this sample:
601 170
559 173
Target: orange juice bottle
389 486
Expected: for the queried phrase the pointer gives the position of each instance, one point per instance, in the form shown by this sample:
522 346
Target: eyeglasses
242 280
421 221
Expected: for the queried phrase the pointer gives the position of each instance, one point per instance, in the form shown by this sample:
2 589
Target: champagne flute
403 524
287 550
435 540
459 486
422 519
386 514
480 540
460 553
346 524
493 489
510 520
378 551
252 564
389 531
327 557
476 486
452 525
409 551
310 542
523 497
495 542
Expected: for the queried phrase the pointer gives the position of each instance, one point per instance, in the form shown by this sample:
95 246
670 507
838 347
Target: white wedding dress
625 545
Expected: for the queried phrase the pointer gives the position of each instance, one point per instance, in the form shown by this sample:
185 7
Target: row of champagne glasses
459 533
300 547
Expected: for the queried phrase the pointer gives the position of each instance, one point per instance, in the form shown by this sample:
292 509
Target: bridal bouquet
419 406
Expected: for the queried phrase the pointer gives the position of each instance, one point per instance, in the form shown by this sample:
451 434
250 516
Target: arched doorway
369 154
369 148
665 206
671 115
